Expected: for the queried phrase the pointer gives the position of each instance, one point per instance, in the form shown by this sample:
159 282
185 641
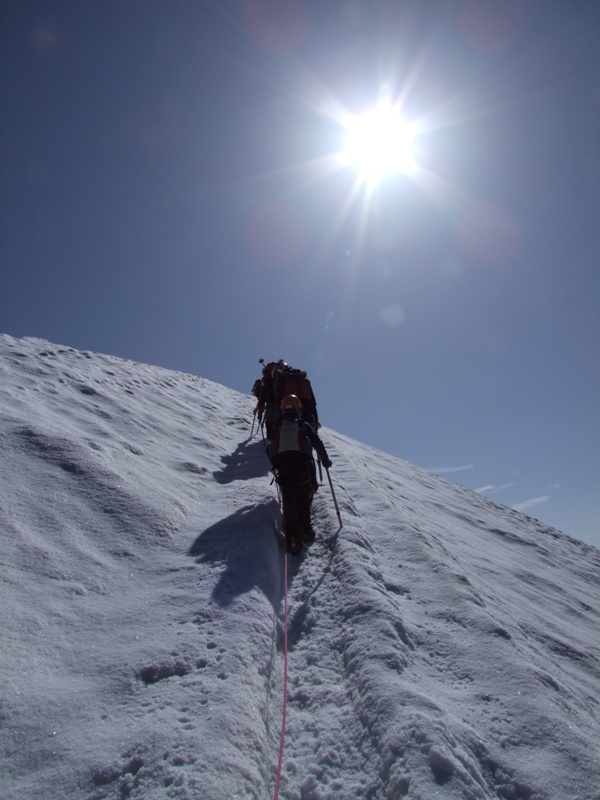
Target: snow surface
440 644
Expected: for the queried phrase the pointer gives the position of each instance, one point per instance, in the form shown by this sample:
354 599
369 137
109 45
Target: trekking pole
335 503
320 469
264 440
253 421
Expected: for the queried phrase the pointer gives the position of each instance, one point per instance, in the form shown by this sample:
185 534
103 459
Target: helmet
291 401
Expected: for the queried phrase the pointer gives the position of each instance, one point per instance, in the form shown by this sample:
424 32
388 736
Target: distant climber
290 381
266 407
291 454
278 381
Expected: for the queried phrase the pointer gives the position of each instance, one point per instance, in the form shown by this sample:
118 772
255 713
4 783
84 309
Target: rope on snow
285 673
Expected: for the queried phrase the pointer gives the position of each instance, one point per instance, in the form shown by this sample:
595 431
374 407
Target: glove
326 462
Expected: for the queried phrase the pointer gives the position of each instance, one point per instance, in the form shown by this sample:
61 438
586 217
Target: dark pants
269 419
295 481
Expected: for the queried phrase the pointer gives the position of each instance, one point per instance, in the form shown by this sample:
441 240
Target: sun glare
380 142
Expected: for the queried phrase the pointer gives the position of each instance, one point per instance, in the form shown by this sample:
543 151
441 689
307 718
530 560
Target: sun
380 141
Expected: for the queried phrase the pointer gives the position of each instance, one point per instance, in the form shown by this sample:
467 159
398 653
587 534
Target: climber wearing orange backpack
287 381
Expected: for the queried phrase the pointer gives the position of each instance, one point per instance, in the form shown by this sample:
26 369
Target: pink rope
285 672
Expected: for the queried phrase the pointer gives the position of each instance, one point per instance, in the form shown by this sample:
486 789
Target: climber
291 455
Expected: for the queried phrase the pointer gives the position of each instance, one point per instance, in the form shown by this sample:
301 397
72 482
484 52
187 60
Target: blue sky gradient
171 194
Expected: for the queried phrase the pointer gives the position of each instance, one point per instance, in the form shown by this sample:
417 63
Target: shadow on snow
246 543
247 461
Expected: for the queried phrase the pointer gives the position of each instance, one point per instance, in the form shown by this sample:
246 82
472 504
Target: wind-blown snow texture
441 645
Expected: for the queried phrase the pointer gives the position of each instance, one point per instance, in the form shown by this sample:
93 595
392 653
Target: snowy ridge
441 645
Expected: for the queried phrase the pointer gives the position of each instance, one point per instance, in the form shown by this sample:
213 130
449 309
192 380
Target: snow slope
440 645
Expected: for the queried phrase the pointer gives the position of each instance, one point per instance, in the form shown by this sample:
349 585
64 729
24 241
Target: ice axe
335 503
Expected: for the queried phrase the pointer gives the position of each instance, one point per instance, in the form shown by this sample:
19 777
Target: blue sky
171 193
